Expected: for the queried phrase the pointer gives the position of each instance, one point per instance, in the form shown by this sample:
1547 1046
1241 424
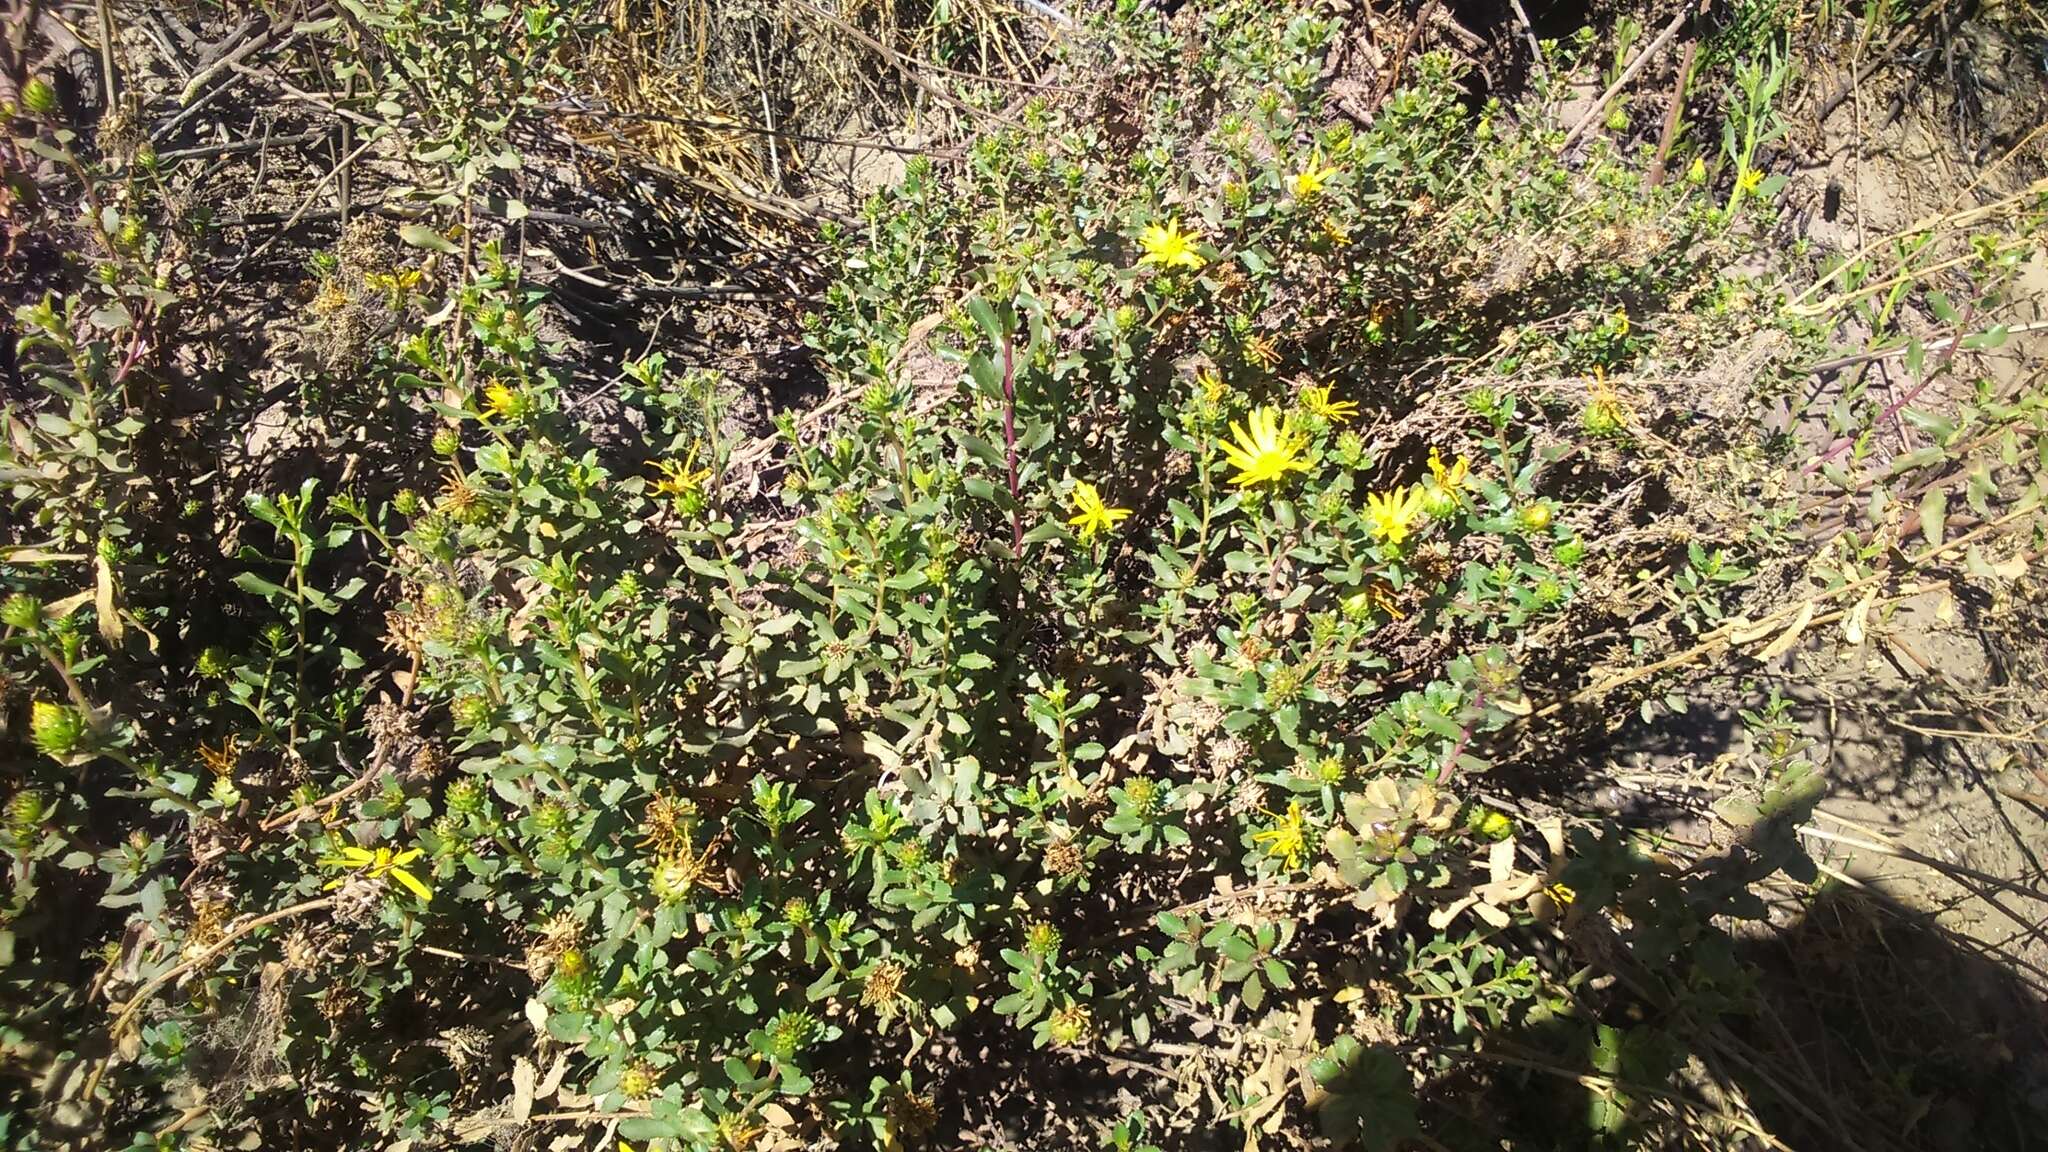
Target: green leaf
251 582
1943 309
648 1128
421 236
1992 337
1933 515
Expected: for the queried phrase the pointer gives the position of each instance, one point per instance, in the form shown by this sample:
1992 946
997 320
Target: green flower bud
464 798
214 662
470 711
57 730
1143 793
793 1032
1488 824
26 811
22 611
1069 1026
673 879
224 792
447 442
638 1082
1042 940
38 97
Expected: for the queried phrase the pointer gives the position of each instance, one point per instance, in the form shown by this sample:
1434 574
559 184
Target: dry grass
764 108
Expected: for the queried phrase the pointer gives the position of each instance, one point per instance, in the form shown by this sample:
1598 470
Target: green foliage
1211 489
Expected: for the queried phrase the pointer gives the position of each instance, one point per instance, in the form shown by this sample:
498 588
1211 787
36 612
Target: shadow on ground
1864 1027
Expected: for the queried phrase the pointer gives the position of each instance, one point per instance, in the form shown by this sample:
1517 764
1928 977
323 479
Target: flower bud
213 662
38 97
22 611
58 731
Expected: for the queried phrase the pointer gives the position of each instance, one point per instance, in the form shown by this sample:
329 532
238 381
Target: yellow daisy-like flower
1308 182
377 865
1287 840
1091 516
1315 399
1750 180
680 479
1266 449
1449 479
1169 247
501 401
1391 514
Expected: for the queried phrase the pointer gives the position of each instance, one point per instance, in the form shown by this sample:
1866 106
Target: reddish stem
1450 767
1948 353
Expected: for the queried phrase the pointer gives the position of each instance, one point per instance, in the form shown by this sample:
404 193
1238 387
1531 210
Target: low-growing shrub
1213 490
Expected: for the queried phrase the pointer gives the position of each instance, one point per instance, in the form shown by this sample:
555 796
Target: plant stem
1010 442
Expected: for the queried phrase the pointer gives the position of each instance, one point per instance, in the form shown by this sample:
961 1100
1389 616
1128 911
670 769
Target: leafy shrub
1117 664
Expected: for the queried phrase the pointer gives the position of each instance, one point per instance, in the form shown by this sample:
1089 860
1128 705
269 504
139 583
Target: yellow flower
1451 479
1316 400
376 865
1310 180
1621 321
1698 171
680 480
1169 247
1266 451
1750 179
1391 514
502 402
1093 517
1287 840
